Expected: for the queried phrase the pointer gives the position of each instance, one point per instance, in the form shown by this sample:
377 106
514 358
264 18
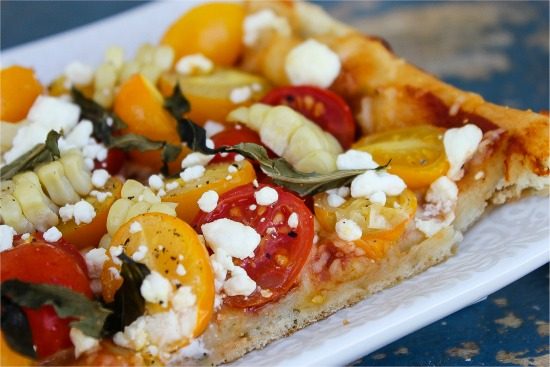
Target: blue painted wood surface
510 327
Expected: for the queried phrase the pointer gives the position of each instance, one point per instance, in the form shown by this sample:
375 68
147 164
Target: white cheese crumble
52 235
293 220
460 145
372 183
6 237
100 177
252 207
79 73
183 298
255 24
348 230
83 212
232 169
195 350
82 342
156 182
180 270
237 239
192 173
355 159
172 185
140 253
156 289
335 200
266 196
378 197
195 64
239 283
212 128
25 236
312 63
208 201
101 196
438 212
240 94
95 258
196 159
238 158
135 227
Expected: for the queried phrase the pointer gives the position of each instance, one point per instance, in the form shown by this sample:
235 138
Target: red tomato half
114 161
321 106
233 136
42 262
282 252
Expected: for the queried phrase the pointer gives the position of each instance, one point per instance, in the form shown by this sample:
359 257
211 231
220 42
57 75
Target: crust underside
386 93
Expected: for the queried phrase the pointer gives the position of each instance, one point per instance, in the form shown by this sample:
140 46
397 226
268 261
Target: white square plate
507 244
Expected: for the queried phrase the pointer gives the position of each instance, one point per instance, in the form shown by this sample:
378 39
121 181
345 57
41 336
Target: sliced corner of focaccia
385 93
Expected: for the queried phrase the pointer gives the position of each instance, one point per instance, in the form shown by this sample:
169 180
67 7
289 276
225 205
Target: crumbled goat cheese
378 197
373 182
348 230
212 128
25 236
232 169
438 211
266 196
156 182
140 253
172 185
195 64
79 73
82 342
6 237
83 212
355 159
335 200
195 350
252 207
240 284
156 289
208 201
95 258
293 220
52 235
255 24
196 159
100 177
240 94
101 196
180 270
238 158
78 137
192 173
183 299
460 145
237 239
135 227
47 113
312 63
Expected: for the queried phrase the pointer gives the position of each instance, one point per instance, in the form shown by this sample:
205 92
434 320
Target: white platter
507 244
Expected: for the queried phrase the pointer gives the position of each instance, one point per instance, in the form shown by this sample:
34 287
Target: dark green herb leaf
90 315
278 169
177 104
128 304
41 153
16 328
104 122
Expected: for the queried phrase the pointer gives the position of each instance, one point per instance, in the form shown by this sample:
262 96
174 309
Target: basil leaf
278 169
41 153
104 123
16 328
128 304
90 315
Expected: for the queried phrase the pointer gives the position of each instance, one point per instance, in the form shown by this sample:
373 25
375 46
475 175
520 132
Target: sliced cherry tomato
324 107
19 88
214 29
114 161
233 136
180 245
390 225
417 153
45 263
217 177
282 252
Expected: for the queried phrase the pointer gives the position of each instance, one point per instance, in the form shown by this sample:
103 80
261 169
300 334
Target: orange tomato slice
9 357
213 29
86 235
141 106
217 178
417 153
397 212
19 88
170 242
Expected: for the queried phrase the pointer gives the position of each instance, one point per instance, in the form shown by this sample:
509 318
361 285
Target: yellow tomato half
170 242
417 153
9 357
18 90
396 213
216 178
213 29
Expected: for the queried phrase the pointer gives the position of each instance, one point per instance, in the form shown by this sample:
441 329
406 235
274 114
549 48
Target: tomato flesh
282 252
45 263
114 161
324 107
